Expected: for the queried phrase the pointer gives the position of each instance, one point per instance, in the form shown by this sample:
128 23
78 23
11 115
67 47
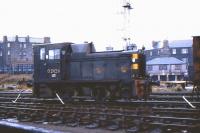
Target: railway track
185 93
118 103
131 116
111 118
15 94
173 97
164 96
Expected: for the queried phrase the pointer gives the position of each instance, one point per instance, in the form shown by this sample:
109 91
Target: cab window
42 53
51 54
54 54
57 54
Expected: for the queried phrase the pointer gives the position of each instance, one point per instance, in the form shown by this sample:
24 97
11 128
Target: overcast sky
100 21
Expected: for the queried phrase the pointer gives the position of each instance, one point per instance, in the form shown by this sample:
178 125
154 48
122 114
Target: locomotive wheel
99 94
45 91
196 90
114 92
86 91
75 92
65 94
36 90
125 93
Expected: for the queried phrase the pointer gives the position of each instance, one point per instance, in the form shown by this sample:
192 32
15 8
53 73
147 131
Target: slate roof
22 39
164 61
11 39
175 44
36 40
180 43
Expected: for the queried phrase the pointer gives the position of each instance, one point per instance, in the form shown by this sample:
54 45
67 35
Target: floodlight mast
126 36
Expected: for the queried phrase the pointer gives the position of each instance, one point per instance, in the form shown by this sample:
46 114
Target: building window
20 45
24 45
42 53
162 67
158 52
20 53
185 60
150 53
149 68
177 67
8 45
24 53
1 54
8 52
173 51
184 51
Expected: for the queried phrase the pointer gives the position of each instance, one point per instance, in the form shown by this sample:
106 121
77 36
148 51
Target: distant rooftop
27 39
37 40
180 43
174 44
22 39
164 61
10 39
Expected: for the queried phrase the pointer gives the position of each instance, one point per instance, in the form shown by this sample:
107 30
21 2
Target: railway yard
75 86
88 92
162 112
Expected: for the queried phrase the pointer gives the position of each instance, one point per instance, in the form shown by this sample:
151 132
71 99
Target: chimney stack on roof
27 38
16 38
47 40
5 39
155 44
165 43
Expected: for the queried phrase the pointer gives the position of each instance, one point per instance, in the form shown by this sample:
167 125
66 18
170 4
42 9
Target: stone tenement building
16 53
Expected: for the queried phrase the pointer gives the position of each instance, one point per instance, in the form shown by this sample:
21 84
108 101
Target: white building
167 69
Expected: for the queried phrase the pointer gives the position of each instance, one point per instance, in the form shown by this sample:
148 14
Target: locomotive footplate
78 81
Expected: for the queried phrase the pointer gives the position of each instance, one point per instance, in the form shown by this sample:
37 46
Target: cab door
40 63
65 60
54 63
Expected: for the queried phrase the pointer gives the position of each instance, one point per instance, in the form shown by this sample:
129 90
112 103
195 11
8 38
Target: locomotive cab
48 61
48 65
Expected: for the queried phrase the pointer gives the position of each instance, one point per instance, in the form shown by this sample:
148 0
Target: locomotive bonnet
78 71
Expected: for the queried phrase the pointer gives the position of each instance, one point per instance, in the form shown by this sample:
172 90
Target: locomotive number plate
53 70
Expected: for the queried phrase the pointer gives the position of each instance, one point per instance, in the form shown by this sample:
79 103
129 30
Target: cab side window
42 54
51 54
57 53
54 54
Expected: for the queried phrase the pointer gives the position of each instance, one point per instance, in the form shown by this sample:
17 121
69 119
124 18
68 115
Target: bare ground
10 78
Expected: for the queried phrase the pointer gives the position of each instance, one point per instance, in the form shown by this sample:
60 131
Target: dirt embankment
17 81
10 78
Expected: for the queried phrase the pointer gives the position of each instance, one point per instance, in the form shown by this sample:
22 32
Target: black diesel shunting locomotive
76 70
